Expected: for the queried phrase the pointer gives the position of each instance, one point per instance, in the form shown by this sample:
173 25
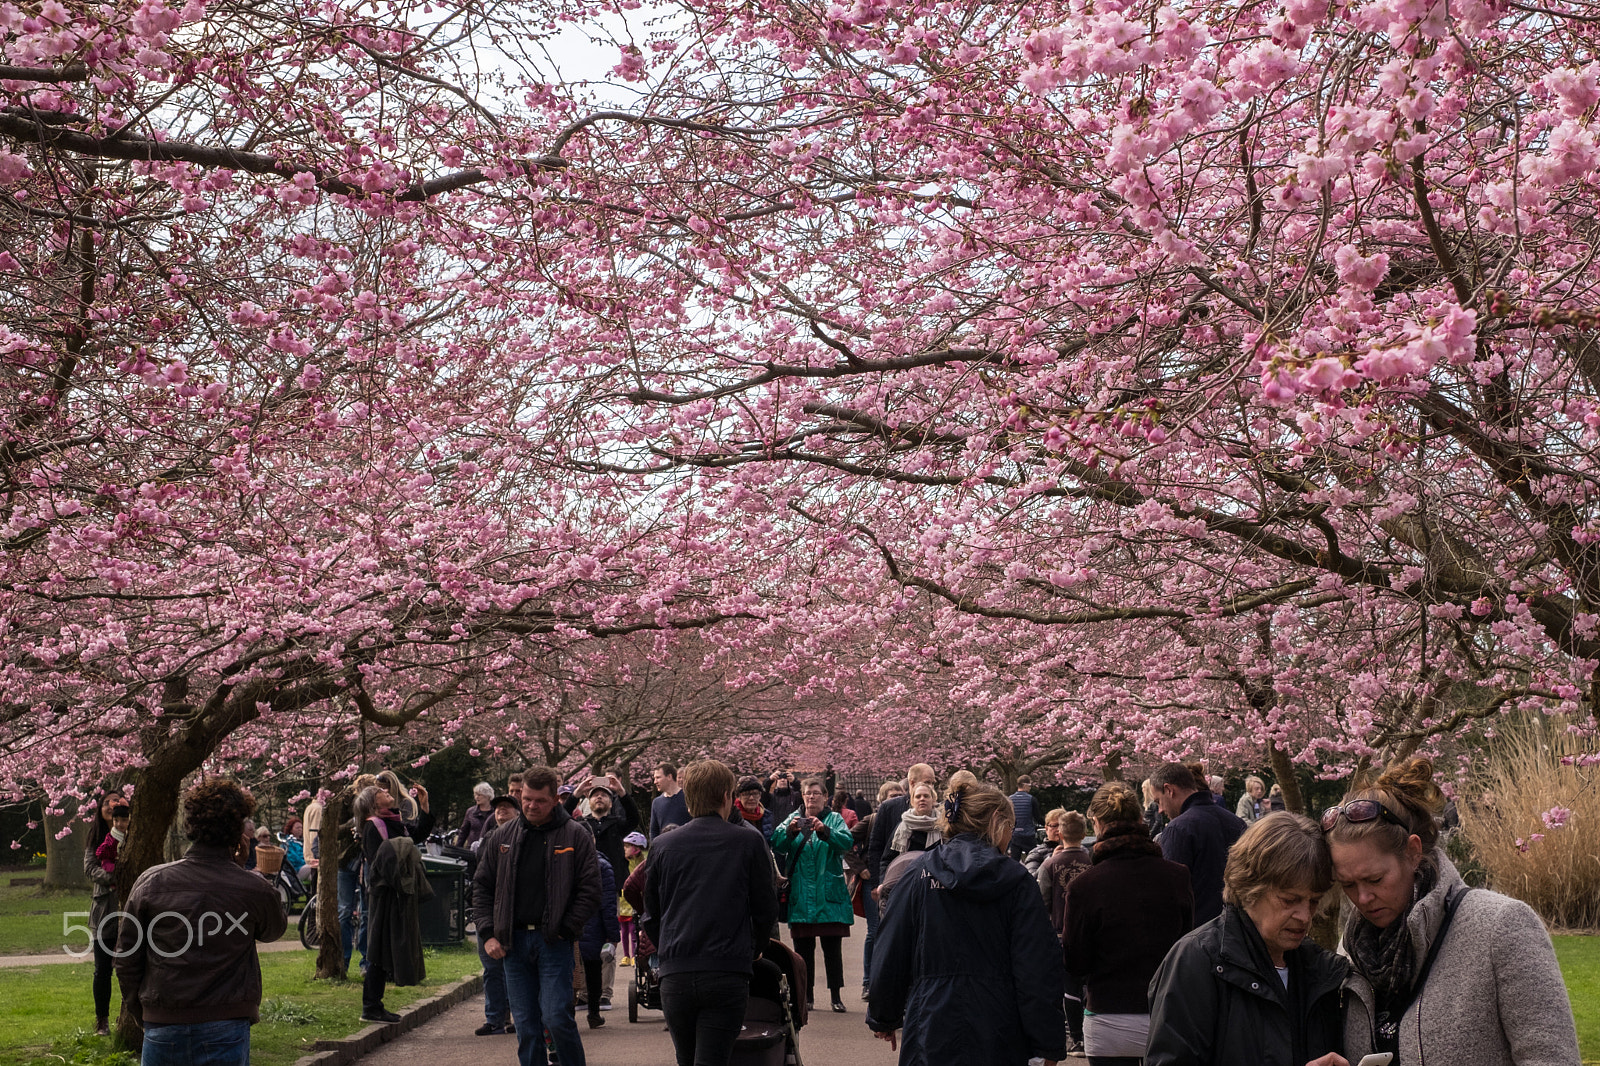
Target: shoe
488 1030
866 993
596 1022
102 1027
627 960
605 1002
838 1005
511 1028
387 1016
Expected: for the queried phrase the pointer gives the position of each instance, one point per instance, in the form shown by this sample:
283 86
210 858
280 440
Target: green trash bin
444 917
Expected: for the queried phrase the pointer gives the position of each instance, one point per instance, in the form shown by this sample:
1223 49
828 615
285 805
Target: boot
102 1026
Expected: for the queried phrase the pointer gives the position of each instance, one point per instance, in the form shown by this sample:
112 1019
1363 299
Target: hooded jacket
602 928
965 963
572 878
1218 999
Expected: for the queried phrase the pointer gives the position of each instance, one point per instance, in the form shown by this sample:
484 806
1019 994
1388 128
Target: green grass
24 931
1580 966
49 1013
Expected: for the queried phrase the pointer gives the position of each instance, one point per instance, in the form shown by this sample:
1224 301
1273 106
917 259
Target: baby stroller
645 991
776 1010
772 1018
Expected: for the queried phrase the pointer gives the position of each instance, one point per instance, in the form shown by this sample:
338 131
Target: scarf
756 817
1387 957
1124 840
912 822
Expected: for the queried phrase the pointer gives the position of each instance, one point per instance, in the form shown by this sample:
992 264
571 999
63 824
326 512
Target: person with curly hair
186 950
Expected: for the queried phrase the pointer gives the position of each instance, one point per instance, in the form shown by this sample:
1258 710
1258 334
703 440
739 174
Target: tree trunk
63 859
1112 769
330 952
1283 772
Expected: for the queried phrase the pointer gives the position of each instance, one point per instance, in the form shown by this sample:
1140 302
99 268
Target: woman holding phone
1440 973
815 839
1249 986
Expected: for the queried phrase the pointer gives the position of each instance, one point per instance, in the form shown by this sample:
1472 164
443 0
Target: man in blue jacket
1198 836
710 907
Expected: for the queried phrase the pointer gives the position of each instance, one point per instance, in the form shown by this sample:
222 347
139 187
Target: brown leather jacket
188 942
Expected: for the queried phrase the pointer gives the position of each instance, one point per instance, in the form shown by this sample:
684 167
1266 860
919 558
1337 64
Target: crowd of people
1158 927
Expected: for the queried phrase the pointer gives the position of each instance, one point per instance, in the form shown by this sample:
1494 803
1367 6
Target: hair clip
952 806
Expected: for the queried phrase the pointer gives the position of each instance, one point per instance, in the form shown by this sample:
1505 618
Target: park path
827 1039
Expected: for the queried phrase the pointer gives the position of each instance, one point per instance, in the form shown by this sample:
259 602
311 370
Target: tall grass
1556 871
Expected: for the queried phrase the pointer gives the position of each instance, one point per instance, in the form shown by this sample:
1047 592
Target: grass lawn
30 917
49 1014
1580 965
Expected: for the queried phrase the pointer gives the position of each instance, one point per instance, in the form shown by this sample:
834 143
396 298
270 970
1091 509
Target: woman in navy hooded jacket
966 965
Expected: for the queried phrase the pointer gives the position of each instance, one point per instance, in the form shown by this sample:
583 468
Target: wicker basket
269 859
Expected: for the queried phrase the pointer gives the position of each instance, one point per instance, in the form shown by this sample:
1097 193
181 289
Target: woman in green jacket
815 839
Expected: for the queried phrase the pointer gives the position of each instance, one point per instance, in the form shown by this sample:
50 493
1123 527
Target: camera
119 811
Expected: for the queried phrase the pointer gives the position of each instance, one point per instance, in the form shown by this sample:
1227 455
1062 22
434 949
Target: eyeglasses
1358 811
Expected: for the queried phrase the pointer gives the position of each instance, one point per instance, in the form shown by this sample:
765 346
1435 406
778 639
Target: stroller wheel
633 1002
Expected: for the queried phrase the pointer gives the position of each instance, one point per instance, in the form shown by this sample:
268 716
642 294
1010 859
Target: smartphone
1377 1058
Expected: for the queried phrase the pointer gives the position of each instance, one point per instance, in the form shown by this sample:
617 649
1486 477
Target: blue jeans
539 988
495 1008
349 903
225 1043
869 907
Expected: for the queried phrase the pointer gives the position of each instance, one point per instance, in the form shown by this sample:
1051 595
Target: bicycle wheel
308 926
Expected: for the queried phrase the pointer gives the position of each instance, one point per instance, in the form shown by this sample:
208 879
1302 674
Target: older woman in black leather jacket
1248 986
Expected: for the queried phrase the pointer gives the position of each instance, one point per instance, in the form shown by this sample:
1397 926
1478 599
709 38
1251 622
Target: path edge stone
348 1049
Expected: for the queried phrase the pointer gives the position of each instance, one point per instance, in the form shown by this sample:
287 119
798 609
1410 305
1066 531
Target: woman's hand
1332 1058
420 794
893 1036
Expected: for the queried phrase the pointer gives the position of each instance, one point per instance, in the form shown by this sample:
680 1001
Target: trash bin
444 917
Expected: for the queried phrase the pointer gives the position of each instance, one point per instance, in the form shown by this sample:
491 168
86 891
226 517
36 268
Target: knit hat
749 784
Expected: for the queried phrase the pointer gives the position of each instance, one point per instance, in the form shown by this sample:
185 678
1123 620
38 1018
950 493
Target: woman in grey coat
1439 973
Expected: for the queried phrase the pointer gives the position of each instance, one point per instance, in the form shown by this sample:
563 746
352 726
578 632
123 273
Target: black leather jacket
1218 1000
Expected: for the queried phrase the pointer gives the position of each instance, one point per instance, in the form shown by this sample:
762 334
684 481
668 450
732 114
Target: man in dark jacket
889 815
1198 836
538 881
186 953
710 905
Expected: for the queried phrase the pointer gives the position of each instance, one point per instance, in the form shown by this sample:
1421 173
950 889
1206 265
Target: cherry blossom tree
1087 383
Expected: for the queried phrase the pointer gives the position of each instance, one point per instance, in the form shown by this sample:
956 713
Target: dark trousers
1021 845
705 1011
591 981
1103 1061
1075 1016
102 978
372 989
832 958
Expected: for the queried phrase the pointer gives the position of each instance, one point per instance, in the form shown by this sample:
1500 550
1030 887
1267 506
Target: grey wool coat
1495 996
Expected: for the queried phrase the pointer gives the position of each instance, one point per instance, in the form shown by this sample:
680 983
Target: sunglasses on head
1358 811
